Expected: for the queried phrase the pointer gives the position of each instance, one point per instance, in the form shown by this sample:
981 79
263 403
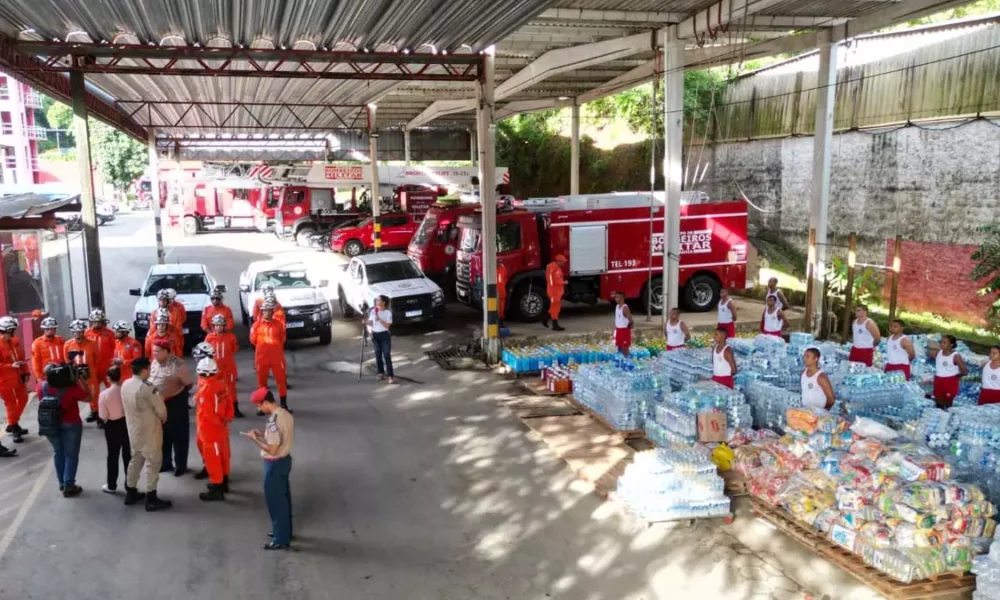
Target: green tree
118 156
987 270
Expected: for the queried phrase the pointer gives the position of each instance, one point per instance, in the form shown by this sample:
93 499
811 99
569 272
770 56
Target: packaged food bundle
761 435
959 554
971 509
876 534
927 561
857 472
818 479
825 519
972 526
923 520
798 497
842 536
856 519
747 458
957 493
895 564
921 495
908 535
883 482
831 463
868 447
765 484
802 419
914 467
794 455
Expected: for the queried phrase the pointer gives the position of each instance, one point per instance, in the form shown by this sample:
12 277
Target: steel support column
673 124
154 179
819 205
574 156
406 146
92 246
375 197
474 144
487 195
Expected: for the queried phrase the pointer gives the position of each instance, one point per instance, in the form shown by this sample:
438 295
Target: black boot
133 496
6 452
284 404
556 327
237 413
225 484
18 438
11 428
202 474
545 322
154 504
21 430
214 494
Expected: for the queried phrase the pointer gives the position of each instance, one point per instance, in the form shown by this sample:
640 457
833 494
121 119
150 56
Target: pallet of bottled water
686 365
769 404
987 570
618 391
668 484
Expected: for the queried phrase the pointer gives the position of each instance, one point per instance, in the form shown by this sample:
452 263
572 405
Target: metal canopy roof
255 68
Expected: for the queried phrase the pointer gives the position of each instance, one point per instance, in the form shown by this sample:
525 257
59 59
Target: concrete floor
425 490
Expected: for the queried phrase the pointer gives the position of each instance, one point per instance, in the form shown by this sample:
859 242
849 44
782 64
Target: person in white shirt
727 313
112 412
773 320
379 321
899 350
774 292
623 324
723 360
949 369
990 392
817 391
676 331
865 337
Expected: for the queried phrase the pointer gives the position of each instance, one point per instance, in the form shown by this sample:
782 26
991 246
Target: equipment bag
50 411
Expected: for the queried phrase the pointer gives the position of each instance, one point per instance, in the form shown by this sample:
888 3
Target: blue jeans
382 341
66 452
278 495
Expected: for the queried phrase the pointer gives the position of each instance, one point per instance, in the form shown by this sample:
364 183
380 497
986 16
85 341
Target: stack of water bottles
987 570
975 446
685 366
675 419
875 394
527 359
770 403
619 391
668 484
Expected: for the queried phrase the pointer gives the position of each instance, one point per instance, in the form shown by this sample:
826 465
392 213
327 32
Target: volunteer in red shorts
990 392
774 320
949 369
676 331
899 351
723 361
727 313
866 337
623 325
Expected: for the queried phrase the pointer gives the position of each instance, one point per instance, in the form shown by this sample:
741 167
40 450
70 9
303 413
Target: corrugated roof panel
825 8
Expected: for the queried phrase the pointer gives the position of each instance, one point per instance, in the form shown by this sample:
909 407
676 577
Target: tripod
364 344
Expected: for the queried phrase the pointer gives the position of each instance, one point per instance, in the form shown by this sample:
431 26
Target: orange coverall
173 336
45 350
213 411
212 310
177 315
89 358
554 286
501 289
126 350
226 347
269 339
12 389
105 341
279 312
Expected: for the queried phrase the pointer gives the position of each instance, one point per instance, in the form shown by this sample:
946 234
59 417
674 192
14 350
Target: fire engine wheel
353 248
191 226
530 300
302 236
657 300
701 293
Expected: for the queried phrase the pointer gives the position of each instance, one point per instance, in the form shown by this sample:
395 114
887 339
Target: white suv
191 281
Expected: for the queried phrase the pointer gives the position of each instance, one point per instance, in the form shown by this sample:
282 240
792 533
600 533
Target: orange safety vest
554 277
105 340
45 350
210 311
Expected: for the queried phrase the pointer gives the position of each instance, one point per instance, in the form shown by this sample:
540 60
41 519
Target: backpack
50 411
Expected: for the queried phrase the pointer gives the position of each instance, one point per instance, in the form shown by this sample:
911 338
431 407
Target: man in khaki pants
145 415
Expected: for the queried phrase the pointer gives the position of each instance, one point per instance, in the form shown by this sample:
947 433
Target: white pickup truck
412 296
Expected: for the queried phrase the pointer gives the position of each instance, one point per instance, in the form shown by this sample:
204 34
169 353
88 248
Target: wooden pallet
623 435
533 407
946 584
538 387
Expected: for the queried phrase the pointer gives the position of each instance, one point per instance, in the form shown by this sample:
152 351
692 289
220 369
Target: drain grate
459 358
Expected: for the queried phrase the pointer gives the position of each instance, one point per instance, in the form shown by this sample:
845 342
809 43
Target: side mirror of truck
324 282
244 288
134 292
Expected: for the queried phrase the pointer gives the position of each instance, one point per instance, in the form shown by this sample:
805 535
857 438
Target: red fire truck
606 243
216 204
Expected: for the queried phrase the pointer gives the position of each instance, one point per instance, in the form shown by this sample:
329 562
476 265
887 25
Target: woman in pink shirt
111 411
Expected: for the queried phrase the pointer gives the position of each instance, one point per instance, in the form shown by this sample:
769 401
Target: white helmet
163 294
216 293
171 293
49 323
8 324
219 320
97 316
161 317
78 326
207 366
121 327
267 289
269 303
203 350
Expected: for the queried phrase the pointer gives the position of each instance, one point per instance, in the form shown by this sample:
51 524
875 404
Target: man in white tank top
676 331
817 391
773 320
723 360
899 350
773 291
949 369
727 313
865 335
990 391
623 324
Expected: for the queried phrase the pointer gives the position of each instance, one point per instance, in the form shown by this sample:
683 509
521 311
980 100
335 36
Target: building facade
19 136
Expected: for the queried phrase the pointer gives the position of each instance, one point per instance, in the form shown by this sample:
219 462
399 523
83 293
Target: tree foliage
973 9
987 270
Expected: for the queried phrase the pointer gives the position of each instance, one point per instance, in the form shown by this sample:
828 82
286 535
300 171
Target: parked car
307 311
397 229
191 281
412 295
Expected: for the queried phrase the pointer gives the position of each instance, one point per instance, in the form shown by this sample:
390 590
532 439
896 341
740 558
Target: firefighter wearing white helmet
224 341
213 412
167 299
267 291
13 378
47 348
127 349
163 331
202 351
215 309
104 339
82 353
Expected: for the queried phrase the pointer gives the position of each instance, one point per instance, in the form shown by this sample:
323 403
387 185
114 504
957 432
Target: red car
397 229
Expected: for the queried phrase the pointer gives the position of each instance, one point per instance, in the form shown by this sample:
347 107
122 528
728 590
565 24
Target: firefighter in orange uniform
226 347
268 292
555 285
174 310
216 308
13 377
47 348
213 412
87 350
162 330
127 349
268 337
104 339
501 292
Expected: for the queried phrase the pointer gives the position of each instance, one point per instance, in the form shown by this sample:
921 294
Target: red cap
560 258
260 394
162 344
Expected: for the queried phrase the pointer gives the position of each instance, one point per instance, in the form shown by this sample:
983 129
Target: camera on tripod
79 369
